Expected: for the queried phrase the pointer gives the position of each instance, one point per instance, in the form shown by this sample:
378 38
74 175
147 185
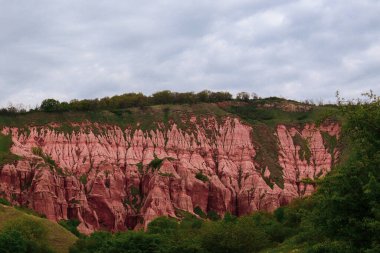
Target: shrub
4 202
70 225
199 211
163 225
201 176
212 215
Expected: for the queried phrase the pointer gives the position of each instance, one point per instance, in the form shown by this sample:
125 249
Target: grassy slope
6 156
131 117
58 238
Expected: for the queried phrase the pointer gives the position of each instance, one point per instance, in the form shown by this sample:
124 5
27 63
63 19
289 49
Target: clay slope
107 177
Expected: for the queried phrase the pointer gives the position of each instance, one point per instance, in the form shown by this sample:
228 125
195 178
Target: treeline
129 100
192 235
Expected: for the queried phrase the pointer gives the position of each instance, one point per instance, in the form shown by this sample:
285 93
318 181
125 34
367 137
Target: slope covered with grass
52 236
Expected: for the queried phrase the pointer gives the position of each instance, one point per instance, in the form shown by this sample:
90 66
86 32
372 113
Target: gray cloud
85 49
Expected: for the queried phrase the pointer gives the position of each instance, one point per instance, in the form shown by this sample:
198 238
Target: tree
346 206
243 96
50 105
163 97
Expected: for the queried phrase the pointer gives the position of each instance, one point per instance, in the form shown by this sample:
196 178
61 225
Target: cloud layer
86 49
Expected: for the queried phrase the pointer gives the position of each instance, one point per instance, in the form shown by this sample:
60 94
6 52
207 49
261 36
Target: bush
4 202
240 237
201 176
212 215
198 211
70 225
125 242
163 225
50 105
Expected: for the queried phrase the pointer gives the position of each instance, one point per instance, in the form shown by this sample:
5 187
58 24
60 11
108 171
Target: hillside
55 236
119 169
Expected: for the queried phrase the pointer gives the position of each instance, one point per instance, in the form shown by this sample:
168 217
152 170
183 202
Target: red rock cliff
107 177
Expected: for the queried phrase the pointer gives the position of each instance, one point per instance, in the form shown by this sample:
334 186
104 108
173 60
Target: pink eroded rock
104 177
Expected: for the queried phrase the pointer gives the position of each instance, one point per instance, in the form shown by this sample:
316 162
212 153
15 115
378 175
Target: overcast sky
86 49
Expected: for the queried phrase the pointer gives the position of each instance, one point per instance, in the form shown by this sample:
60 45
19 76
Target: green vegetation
134 200
156 163
201 176
70 225
266 145
130 100
47 159
6 157
198 211
22 232
277 112
83 179
247 234
331 143
4 202
212 215
304 152
29 211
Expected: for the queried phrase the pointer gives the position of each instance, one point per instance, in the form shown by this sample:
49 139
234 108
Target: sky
298 49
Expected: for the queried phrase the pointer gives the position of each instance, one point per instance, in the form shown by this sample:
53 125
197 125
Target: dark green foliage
50 105
163 225
212 215
198 210
167 235
83 179
70 225
331 143
127 242
130 100
12 241
23 235
4 202
90 244
347 202
201 176
242 236
156 163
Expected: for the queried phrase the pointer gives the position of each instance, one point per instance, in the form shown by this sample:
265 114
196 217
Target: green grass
253 114
287 248
6 157
267 153
58 238
5 143
143 118
304 152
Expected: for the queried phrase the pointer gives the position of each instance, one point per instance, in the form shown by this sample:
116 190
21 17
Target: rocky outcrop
117 179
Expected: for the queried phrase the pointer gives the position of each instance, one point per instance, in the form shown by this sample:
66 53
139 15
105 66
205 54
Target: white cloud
86 49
